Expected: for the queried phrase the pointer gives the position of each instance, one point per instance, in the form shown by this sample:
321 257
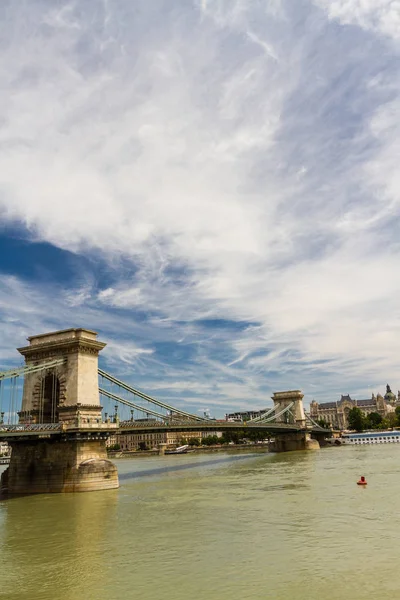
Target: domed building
337 413
389 397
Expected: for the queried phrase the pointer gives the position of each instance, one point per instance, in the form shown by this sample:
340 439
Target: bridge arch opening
50 399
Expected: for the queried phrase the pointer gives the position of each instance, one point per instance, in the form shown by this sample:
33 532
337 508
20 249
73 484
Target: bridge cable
263 416
12 400
41 401
312 421
149 398
278 414
27 369
131 404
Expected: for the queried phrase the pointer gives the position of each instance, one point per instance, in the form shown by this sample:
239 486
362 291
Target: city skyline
213 189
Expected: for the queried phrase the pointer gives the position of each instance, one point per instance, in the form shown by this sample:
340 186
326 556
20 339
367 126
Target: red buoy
362 481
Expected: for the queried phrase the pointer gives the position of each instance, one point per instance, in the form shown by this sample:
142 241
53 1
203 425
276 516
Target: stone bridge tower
68 392
70 456
301 440
284 399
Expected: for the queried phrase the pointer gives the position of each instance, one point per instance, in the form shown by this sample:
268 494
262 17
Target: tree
384 424
373 420
356 419
143 446
183 442
194 442
235 436
210 440
232 436
323 423
114 448
397 413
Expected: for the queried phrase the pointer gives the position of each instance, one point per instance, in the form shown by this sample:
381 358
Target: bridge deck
56 429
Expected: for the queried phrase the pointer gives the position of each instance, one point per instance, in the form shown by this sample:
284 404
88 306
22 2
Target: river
242 526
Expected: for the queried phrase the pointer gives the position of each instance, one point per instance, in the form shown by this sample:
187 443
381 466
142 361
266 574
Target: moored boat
372 437
180 450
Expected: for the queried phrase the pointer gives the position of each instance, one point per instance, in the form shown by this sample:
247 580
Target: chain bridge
58 410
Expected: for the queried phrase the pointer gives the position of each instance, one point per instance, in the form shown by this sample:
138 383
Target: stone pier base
161 449
293 441
312 444
46 466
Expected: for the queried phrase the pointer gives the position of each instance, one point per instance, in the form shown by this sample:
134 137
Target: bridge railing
208 425
32 427
164 423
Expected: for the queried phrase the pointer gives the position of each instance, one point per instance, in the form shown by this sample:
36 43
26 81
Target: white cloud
378 15
240 157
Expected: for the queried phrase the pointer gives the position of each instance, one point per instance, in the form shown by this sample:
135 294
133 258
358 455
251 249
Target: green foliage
356 419
232 436
183 442
194 442
323 423
373 421
384 424
254 435
114 448
210 440
143 446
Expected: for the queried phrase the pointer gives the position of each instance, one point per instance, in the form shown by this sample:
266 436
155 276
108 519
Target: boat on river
372 437
181 450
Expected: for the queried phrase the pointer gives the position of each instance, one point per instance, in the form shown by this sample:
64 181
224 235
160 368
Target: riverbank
262 448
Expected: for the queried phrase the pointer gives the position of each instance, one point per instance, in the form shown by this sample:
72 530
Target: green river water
215 526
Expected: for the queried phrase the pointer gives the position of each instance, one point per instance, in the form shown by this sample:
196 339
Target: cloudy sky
212 185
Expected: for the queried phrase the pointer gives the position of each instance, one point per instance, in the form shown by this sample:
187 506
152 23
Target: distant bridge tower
294 441
284 399
64 392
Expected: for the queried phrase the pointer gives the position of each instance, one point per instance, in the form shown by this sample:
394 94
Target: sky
212 185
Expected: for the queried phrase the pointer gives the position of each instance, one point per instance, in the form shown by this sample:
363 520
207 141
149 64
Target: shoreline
196 450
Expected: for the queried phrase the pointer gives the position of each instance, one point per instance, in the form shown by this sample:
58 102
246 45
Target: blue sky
212 185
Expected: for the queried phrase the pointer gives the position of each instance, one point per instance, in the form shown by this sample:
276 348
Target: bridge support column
291 442
292 399
59 465
289 407
73 458
161 449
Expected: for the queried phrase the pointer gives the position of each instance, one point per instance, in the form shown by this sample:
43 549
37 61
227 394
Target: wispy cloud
381 16
240 158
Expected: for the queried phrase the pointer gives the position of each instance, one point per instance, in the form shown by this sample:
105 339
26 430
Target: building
5 449
336 413
246 415
151 439
112 440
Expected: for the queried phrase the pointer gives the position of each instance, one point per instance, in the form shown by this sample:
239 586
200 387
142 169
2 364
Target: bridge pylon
66 393
293 401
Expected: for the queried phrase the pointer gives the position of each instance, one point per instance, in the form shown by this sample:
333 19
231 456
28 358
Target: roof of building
368 402
254 411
